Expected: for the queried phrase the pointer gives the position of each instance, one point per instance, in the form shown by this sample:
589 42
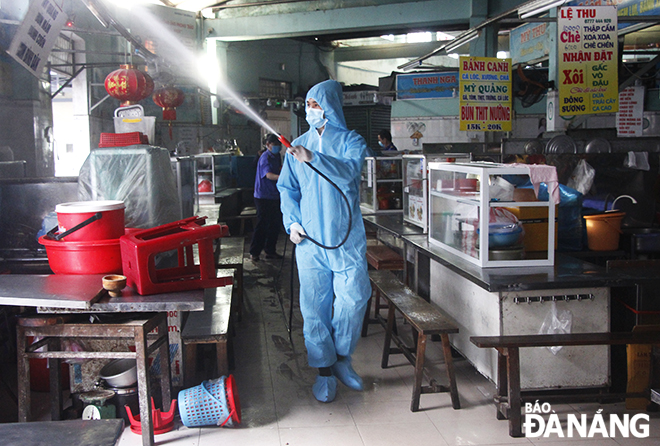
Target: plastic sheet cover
569 218
139 175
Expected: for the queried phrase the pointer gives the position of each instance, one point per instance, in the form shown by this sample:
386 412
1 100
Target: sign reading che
587 66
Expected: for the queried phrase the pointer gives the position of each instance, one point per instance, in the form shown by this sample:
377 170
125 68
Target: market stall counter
570 296
83 294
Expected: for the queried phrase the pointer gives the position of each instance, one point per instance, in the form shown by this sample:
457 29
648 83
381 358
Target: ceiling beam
366 20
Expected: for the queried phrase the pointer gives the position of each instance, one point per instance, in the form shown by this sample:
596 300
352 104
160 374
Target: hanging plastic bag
556 322
501 190
637 160
582 177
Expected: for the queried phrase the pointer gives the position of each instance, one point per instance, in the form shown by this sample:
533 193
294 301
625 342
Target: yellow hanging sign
485 94
587 66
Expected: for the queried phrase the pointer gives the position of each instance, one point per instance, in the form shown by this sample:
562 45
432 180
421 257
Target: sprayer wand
288 145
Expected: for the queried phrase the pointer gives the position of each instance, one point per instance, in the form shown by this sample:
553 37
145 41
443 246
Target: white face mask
315 118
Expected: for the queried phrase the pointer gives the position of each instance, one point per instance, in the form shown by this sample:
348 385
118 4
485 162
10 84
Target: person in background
267 201
334 283
385 141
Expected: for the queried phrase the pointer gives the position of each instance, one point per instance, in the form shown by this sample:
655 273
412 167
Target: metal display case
381 185
415 185
185 171
214 168
471 207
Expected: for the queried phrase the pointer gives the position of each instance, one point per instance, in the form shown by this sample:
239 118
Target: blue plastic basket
213 402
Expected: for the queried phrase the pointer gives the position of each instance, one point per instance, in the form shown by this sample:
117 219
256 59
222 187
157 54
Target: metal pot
119 373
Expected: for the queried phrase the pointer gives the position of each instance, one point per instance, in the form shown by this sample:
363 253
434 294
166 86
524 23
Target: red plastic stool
139 248
162 421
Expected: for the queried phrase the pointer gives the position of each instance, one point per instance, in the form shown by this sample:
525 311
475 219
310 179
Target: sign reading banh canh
485 94
587 66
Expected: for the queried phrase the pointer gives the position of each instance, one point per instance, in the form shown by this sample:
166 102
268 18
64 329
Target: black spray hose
286 143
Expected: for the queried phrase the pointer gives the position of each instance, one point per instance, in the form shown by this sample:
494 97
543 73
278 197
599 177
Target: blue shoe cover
343 370
325 388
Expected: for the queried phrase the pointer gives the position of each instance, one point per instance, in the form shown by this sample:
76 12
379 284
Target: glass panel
502 187
366 195
414 177
389 195
388 169
455 224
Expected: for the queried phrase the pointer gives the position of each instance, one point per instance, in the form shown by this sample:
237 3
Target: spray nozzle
284 141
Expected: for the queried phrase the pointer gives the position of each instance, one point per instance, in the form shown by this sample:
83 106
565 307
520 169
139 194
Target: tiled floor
278 409
274 384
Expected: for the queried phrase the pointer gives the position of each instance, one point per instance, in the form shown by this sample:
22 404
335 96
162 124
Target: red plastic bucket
94 257
109 226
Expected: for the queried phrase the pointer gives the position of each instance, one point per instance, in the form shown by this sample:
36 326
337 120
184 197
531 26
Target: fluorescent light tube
533 8
461 40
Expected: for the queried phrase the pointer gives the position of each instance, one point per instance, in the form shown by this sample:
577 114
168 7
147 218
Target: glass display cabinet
212 172
477 213
381 185
415 184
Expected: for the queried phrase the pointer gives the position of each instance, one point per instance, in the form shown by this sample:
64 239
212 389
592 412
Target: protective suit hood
330 97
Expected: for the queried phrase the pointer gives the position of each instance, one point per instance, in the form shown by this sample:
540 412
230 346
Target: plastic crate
122 139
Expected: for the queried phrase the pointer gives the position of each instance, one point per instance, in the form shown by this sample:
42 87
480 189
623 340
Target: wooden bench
382 257
248 213
211 326
379 257
229 254
425 319
509 398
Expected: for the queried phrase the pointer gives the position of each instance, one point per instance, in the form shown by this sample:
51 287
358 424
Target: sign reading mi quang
485 94
587 52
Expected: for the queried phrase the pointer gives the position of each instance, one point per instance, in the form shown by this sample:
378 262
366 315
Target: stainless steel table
64 293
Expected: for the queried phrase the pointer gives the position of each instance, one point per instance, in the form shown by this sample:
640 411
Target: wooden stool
60 330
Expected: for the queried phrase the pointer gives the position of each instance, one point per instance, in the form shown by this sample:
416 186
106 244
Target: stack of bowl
505 241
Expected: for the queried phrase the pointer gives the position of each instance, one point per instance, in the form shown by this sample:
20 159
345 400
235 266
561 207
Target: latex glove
300 153
296 233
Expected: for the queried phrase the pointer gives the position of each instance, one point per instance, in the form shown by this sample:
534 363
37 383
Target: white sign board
36 35
630 117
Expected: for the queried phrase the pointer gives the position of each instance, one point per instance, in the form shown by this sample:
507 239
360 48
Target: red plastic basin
95 257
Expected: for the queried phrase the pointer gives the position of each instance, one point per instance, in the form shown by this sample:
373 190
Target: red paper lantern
129 85
168 98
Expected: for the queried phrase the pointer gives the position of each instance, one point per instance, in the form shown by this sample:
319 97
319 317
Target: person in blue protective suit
334 283
267 201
